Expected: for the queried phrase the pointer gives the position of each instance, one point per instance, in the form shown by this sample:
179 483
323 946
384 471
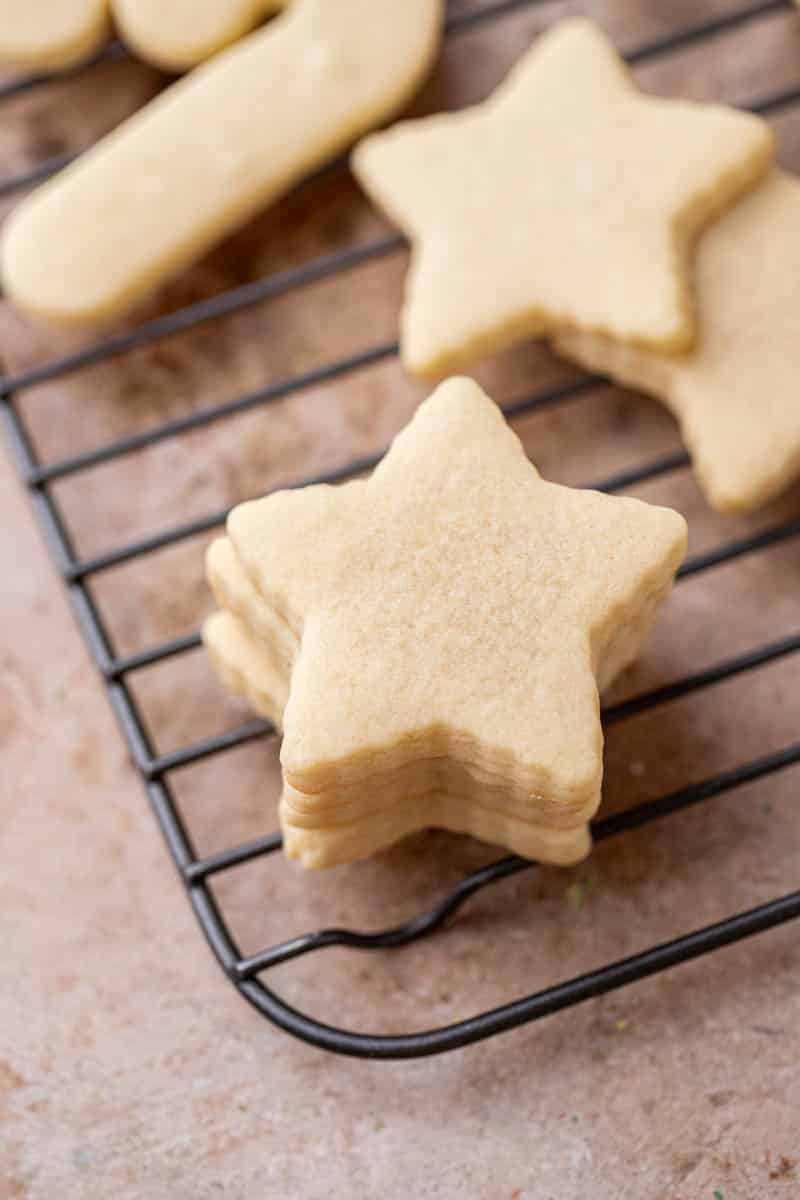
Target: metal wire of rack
155 769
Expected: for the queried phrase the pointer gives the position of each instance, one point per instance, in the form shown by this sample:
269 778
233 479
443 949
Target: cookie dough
566 200
211 151
737 395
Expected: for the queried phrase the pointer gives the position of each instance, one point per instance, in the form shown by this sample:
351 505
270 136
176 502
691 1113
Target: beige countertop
129 1067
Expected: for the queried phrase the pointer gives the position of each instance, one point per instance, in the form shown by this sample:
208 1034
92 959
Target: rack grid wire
245 972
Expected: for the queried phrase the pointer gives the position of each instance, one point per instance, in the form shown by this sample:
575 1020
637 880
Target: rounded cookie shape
57 34
211 151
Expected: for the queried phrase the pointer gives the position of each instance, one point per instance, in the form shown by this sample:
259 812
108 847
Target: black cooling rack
246 973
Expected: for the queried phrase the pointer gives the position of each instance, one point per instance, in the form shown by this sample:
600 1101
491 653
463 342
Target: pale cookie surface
249 666
51 33
211 151
234 591
244 668
434 796
566 200
456 605
330 847
178 34
737 395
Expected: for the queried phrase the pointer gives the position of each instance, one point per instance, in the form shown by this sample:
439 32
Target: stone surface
128 1066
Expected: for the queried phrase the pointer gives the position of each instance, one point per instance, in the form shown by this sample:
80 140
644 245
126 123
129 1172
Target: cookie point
572 27
576 854
8 258
457 389
214 549
577 34
238 520
729 495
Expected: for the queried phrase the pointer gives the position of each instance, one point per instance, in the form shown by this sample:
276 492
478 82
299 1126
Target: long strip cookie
212 150
51 33
566 200
737 396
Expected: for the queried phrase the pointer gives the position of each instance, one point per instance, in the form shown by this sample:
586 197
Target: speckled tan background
128 1066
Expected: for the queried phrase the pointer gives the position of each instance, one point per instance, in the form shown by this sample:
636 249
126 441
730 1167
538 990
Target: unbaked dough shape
51 34
568 199
211 151
737 394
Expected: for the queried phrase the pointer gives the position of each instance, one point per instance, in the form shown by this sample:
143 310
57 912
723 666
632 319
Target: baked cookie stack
432 639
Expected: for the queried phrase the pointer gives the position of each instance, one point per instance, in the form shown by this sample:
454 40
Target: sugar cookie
181 33
736 395
454 615
566 200
331 847
51 33
212 150
245 668
234 592
249 667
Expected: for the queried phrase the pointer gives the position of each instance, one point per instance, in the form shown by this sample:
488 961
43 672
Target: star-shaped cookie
737 395
566 200
454 615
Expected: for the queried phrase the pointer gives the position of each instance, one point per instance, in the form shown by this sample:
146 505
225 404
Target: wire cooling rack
247 972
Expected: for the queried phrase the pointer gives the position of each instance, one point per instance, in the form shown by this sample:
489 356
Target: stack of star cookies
432 639
651 239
